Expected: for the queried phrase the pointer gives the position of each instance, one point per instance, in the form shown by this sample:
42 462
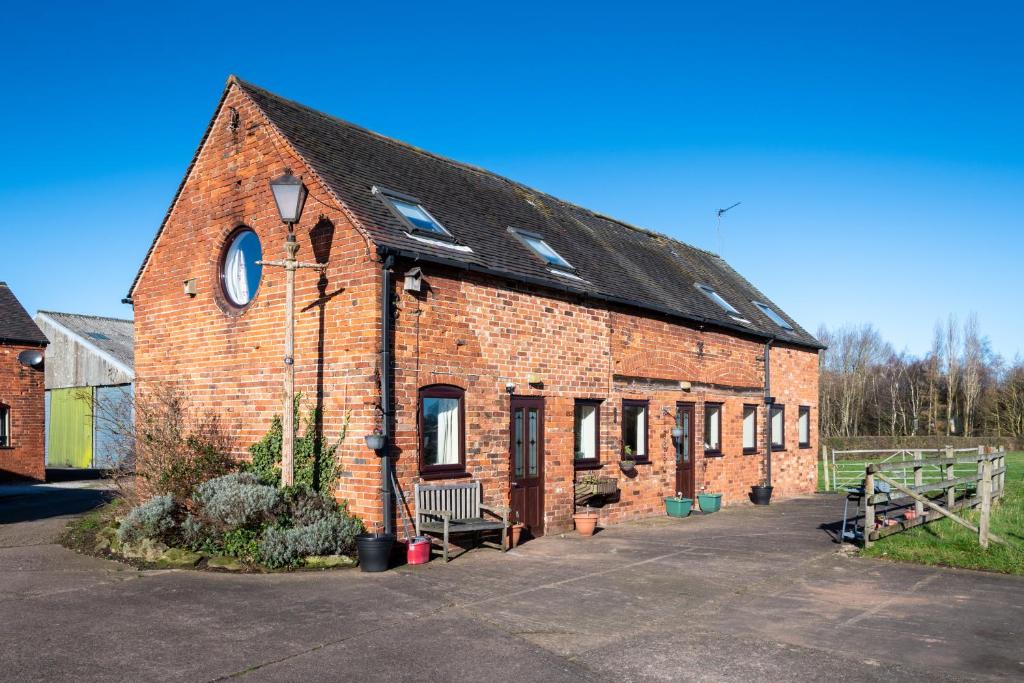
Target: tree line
960 387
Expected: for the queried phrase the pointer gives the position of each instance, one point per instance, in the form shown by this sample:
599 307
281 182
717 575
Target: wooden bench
448 509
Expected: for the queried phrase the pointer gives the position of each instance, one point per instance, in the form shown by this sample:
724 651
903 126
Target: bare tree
952 343
973 370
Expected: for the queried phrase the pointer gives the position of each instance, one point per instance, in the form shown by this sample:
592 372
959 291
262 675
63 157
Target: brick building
533 340
22 417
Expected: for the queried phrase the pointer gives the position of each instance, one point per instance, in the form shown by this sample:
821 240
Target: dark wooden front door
526 451
684 450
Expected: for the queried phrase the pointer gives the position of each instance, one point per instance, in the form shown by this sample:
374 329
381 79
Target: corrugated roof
113 336
16 325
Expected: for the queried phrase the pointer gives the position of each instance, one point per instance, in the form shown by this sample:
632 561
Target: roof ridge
463 165
88 315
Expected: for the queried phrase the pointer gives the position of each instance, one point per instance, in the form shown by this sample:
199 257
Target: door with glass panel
684 450
526 452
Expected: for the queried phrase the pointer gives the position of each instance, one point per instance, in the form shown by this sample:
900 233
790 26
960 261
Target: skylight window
775 317
542 249
99 336
718 299
412 213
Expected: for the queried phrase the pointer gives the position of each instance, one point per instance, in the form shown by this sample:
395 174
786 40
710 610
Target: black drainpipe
387 322
769 401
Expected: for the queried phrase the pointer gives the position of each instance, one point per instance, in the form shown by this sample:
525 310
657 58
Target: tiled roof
16 324
113 336
615 261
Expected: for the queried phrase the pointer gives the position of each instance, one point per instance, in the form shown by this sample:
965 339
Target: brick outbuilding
534 341
22 408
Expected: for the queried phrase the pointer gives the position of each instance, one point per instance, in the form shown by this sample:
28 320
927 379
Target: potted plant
709 502
761 494
678 506
627 464
586 521
515 532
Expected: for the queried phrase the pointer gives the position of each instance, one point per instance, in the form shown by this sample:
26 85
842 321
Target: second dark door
526 452
684 450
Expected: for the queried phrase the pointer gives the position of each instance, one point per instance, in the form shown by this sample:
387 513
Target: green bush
329 536
235 501
154 519
243 544
315 464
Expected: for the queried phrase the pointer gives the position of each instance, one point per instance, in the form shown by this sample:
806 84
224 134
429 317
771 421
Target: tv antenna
718 227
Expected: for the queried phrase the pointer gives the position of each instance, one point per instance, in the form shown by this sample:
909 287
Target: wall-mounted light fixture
685 386
510 387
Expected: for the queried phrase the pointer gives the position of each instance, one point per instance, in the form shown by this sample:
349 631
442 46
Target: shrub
235 501
328 536
315 464
154 519
243 544
163 445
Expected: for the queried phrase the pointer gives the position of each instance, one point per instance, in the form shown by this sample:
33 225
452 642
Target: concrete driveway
747 593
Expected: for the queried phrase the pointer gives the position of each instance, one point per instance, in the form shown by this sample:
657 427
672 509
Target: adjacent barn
89 388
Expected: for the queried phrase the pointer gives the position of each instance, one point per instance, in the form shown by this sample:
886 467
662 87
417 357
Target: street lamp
289 195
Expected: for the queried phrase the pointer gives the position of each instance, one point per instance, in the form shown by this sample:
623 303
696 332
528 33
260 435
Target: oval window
239 272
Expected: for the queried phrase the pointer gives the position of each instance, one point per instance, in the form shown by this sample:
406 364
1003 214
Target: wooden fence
984 485
845 469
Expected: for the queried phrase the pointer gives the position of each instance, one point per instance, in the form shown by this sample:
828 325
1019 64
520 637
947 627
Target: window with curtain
442 429
634 430
5 425
586 431
804 427
240 272
778 427
749 429
712 429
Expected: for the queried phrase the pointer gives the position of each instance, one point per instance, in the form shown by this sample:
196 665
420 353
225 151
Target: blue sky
876 147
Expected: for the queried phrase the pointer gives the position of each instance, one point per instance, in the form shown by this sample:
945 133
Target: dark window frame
803 410
781 446
595 462
387 196
5 422
441 471
747 450
646 405
713 452
520 234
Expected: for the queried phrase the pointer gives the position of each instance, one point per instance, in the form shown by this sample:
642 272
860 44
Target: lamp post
289 195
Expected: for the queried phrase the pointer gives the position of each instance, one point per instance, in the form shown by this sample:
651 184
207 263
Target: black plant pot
761 495
374 551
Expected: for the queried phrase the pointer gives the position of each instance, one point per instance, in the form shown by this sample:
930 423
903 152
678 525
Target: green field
948 544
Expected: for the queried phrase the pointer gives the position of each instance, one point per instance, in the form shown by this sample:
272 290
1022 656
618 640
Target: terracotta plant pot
586 522
517 532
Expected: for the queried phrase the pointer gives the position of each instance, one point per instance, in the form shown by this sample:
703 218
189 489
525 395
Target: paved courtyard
745 594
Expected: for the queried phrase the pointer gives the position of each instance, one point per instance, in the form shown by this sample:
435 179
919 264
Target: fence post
950 475
824 465
1002 475
986 502
981 469
918 480
869 508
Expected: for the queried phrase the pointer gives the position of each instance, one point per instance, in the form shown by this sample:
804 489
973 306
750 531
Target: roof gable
16 325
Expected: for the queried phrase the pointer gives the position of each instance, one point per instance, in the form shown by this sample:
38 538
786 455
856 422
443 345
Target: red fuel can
419 550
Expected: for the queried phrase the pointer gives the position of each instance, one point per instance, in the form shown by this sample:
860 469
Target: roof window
775 317
542 249
412 213
99 336
710 293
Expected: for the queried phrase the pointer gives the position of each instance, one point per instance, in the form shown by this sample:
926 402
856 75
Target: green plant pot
709 502
678 507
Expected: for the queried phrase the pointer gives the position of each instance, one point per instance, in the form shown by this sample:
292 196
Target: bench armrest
502 512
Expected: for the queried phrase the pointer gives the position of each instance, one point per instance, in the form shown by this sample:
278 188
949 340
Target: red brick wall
479 333
22 389
229 361
468 330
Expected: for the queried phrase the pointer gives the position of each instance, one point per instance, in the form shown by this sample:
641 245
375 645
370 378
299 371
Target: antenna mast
718 227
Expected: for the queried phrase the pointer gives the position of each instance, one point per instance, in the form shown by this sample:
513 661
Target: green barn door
70 429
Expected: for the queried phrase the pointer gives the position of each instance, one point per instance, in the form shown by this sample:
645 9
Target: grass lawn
948 544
